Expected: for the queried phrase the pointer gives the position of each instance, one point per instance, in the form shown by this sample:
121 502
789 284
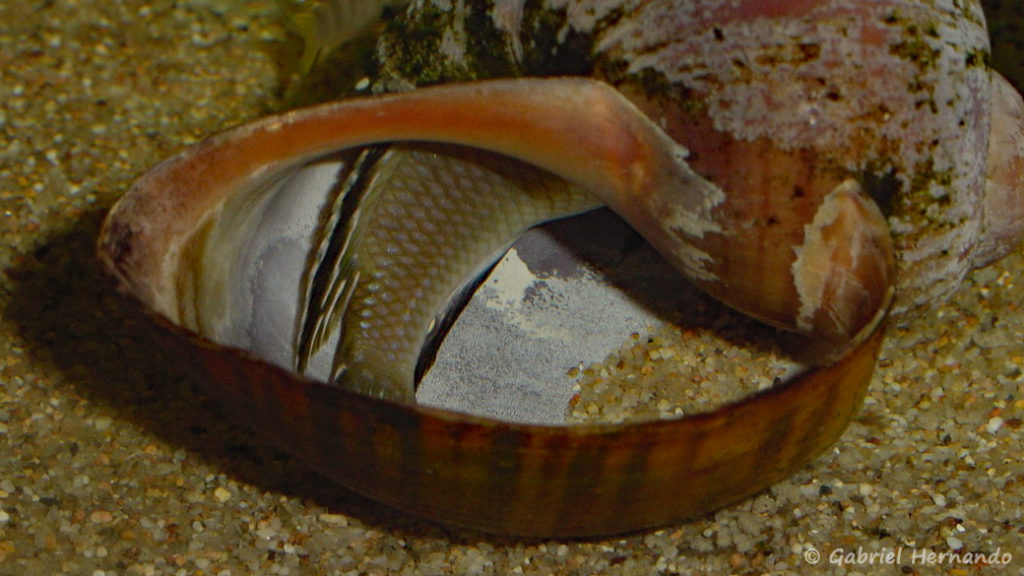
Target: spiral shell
778 101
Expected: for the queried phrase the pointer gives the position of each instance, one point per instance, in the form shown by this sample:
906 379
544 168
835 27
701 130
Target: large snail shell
778 102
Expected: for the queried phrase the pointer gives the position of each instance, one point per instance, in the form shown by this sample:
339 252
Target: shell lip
834 392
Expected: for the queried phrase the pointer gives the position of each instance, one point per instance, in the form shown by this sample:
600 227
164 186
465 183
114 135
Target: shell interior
254 261
562 297
223 240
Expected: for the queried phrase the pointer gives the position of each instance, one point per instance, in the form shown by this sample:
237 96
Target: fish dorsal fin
333 274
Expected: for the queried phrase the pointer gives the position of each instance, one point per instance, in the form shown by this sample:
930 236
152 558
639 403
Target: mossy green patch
414 47
551 48
917 50
929 193
977 58
488 48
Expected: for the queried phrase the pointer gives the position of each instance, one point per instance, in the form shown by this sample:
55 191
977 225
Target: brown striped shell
457 468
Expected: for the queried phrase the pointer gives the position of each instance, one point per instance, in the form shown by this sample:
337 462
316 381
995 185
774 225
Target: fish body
431 221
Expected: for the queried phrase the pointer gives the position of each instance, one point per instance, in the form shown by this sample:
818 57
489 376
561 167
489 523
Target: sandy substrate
113 462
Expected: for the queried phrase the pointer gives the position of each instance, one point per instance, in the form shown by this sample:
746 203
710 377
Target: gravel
113 462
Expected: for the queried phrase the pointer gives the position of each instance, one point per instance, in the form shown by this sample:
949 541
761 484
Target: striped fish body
421 224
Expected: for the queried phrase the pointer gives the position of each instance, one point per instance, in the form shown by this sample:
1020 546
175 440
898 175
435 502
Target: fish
323 25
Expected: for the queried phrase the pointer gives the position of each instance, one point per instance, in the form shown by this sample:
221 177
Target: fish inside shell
293 240
354 261
243 201
265 238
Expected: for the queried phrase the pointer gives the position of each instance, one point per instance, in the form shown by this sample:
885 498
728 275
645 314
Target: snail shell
778 102
782 197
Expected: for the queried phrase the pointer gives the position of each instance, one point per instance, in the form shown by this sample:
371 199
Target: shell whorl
892 93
